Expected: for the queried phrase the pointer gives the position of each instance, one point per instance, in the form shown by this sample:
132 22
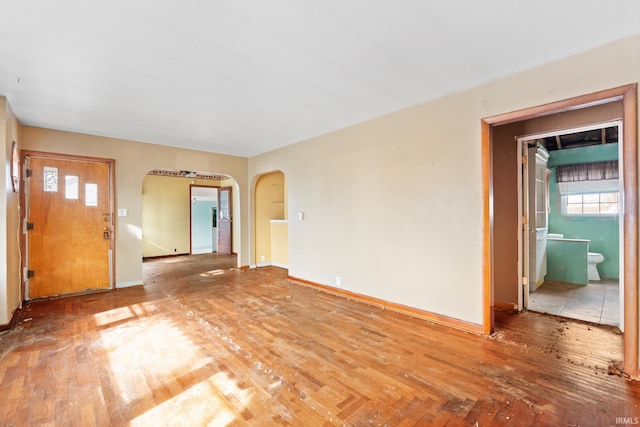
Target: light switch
123 212
300 216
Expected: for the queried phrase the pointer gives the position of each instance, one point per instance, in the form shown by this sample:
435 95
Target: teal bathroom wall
602 231
567 261
201 219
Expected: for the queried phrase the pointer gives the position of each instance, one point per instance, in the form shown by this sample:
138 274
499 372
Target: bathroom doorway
500 220
570 190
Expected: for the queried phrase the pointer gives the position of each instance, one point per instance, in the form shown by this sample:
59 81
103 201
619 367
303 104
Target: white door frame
523 199
522 166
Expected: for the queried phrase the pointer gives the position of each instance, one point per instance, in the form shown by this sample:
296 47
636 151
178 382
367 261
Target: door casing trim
628 95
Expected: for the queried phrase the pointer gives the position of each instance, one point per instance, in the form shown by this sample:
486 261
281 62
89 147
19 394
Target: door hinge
525 220
524 160
30 274
29 226
525 281
28 173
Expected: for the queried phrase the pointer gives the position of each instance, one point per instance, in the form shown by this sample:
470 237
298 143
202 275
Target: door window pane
224 205
91 194
71 187
50 179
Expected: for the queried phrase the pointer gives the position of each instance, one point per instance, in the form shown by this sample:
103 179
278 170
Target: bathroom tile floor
597 302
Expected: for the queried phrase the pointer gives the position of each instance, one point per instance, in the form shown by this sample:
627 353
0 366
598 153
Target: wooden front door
224 220
70 222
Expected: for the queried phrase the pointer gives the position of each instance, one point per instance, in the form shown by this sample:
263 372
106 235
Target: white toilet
593 260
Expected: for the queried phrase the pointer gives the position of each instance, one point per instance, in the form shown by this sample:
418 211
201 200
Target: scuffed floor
203 343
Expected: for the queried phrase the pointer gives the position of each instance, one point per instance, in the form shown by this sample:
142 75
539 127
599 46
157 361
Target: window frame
564 201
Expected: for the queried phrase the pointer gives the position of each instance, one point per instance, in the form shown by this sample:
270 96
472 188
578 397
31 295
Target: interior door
224 220
523 225
70 224
539 209
533 182
532 223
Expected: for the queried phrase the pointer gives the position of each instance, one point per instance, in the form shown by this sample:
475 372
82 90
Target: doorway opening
168 201
204 219
570 250
500 224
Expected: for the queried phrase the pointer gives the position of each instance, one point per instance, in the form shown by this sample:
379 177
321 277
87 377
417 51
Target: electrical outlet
338 281
262 258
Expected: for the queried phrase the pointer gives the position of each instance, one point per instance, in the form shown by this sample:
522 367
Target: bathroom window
590 204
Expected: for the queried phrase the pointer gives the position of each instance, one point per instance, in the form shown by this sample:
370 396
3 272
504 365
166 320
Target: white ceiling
245 77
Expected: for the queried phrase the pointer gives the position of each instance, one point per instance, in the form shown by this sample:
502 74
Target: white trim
277 264
129 284
621 231
520 164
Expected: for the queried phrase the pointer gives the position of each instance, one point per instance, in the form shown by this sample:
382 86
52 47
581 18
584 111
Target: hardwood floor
203 343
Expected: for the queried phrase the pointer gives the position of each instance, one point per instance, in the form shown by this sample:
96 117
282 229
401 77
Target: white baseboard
128 284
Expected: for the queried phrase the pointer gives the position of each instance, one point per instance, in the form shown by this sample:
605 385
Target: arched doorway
271 221
167 203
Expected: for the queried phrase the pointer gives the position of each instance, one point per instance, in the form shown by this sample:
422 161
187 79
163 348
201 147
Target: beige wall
269 204
10 297
280 243
394 205
133 161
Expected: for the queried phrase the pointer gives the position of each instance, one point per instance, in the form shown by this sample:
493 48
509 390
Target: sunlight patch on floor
212 273
113 316
146 355
202 404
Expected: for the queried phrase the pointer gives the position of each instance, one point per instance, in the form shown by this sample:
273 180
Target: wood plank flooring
203 343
